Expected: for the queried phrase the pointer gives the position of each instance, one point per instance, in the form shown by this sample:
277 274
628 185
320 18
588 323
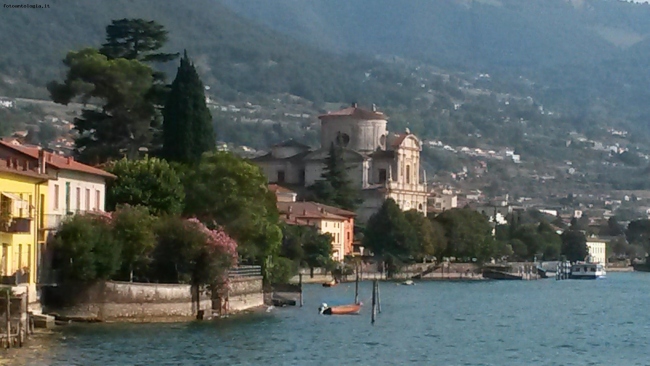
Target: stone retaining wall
126 301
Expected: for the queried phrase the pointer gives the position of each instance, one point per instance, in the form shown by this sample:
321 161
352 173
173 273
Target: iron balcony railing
245 271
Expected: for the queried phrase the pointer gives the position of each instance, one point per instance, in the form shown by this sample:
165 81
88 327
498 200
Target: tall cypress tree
335 188
187 124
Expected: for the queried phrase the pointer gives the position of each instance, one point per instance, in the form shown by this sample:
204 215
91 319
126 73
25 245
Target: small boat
331 283
351 309
587 271
408 283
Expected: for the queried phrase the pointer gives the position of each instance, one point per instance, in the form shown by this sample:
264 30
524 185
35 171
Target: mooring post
356 288
8 316
373 313
378 299
300 287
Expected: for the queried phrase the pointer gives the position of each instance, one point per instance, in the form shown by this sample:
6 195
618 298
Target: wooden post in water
356 288
8 316
300 285
373 313
378 299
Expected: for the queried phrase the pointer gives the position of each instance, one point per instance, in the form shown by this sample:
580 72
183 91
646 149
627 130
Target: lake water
546 322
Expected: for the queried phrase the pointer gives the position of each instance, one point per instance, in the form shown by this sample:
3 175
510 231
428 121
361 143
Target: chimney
304 212
322 210
374 107
354 105
41 161
290 209
70 160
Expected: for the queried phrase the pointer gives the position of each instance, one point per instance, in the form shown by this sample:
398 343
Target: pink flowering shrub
218 240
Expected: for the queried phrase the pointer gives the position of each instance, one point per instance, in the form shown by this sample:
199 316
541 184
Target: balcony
53 221
15 225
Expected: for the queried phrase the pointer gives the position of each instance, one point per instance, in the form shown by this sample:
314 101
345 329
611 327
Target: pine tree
187 124
335 188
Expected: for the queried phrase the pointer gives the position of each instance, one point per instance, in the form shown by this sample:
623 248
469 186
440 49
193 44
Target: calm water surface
545 322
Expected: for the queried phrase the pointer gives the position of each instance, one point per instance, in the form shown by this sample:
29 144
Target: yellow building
23 195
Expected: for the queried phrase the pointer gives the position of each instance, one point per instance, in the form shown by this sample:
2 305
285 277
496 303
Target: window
67 197
20 210
41 212
303 176
98 203
56 196
408 174
348 235
280 176
78 199
382 176
31 204
87 199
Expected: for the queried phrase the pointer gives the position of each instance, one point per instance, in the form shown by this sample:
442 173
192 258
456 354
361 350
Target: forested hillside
588 58
482 73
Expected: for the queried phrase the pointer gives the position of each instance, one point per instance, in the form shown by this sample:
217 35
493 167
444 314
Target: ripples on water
543 322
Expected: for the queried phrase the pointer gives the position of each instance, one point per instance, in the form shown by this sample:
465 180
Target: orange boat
331 283
352 309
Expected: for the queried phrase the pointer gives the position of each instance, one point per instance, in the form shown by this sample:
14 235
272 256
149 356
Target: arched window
408 174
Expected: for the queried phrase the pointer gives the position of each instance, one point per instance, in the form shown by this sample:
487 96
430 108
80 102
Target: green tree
469 235
335 188
232 192
574 245
389 236
638 233
430 235
187 125
133 228
125 120
317 248
149 182
85 250
136 39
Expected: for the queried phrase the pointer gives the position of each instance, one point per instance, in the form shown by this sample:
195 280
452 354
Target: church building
381 164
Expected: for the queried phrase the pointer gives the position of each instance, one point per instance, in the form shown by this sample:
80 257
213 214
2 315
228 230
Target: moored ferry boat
587 271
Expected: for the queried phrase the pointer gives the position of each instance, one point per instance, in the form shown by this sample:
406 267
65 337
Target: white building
77 188
597 250
442 201
381 164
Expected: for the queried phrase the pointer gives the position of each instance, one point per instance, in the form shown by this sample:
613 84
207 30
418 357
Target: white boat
587 271
408 283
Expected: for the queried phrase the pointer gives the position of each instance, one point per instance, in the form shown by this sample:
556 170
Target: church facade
381 164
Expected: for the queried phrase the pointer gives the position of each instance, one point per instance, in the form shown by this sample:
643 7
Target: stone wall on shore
245 293
145 302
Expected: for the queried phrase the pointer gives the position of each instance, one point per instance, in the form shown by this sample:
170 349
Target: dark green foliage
574 245
232 192
149 182
469 235
136 39
335 187
430 235
281 270
124 123
389 236
85 250
306 246
638 233
187 125
133 228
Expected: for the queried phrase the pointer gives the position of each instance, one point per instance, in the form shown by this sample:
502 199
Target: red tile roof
57 161
22 168
279 189
313 210
355 112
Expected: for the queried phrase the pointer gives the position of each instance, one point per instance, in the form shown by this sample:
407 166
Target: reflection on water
544 322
